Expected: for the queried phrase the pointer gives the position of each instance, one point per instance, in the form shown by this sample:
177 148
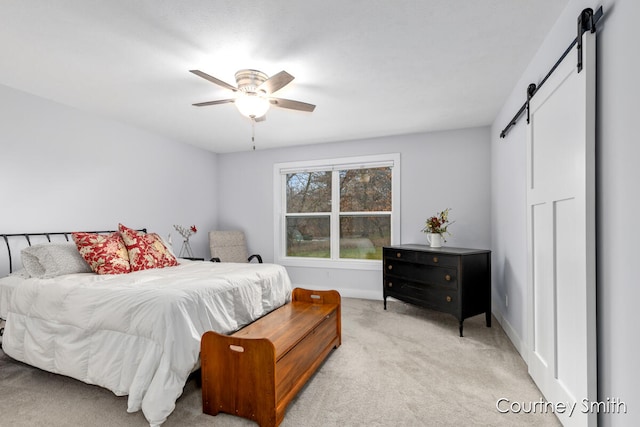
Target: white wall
63 170
618 200
438 170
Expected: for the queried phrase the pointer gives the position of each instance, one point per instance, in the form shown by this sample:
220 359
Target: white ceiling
372 67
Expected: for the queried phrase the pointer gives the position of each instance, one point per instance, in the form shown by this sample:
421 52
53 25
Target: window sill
352 264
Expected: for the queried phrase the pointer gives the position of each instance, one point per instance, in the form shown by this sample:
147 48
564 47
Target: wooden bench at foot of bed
257 371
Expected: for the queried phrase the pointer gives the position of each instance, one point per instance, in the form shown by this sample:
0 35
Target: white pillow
22 273
53 259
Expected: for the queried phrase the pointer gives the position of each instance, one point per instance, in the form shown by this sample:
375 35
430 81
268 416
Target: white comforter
137 334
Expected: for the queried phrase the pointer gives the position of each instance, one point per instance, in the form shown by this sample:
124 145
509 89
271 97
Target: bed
136 334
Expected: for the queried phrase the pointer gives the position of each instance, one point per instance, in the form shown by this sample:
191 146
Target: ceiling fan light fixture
252 105
254 93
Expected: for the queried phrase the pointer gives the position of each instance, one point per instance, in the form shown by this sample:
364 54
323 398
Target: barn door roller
585 23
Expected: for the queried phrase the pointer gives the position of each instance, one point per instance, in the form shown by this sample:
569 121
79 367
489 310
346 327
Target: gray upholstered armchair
230 246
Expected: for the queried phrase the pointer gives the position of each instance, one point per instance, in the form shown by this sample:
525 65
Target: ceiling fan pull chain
253 133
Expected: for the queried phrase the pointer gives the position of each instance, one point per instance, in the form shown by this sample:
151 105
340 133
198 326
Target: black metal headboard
28 236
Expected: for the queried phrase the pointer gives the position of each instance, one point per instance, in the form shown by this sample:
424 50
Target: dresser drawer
399 254
422 273
435 298
427 258
437 259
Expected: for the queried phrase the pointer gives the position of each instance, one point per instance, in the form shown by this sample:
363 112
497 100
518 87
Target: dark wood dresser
450 280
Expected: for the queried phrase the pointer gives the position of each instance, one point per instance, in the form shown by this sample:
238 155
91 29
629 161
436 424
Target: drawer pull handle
448 298
390 267
391 284
435 259
399 254
447 277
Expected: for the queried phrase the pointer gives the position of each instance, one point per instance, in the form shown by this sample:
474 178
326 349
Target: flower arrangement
186 232
439 223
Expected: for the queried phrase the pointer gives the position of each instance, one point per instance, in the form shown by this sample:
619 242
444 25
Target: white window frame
280 170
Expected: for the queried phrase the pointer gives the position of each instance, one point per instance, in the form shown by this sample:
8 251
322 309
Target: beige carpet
401 367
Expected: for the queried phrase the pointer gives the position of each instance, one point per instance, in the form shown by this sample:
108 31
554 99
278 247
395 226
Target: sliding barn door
561 237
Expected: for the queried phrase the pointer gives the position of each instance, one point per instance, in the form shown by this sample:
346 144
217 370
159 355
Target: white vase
435 240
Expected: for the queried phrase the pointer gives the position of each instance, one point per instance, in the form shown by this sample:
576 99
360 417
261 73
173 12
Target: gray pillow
53 259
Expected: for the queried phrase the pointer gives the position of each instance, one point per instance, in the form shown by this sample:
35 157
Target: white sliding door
561 237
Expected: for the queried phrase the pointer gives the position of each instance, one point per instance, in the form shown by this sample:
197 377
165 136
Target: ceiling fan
254 93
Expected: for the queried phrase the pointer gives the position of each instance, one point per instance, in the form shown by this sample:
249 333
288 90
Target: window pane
365 190
308 237
362 237
309 192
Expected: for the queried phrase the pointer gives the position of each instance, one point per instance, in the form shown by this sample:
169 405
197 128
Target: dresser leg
461 327
488 318
385 302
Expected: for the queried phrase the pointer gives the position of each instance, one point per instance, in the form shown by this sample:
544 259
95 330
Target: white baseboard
346 292
516 340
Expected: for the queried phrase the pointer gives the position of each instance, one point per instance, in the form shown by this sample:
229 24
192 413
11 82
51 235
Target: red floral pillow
146 250
105 253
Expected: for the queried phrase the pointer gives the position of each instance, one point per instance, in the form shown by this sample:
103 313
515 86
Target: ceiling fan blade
220 101
292 105
276 82
214 80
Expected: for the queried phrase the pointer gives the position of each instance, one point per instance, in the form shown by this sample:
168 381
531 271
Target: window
338 212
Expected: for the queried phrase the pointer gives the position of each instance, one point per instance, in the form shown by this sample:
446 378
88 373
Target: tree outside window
361 216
